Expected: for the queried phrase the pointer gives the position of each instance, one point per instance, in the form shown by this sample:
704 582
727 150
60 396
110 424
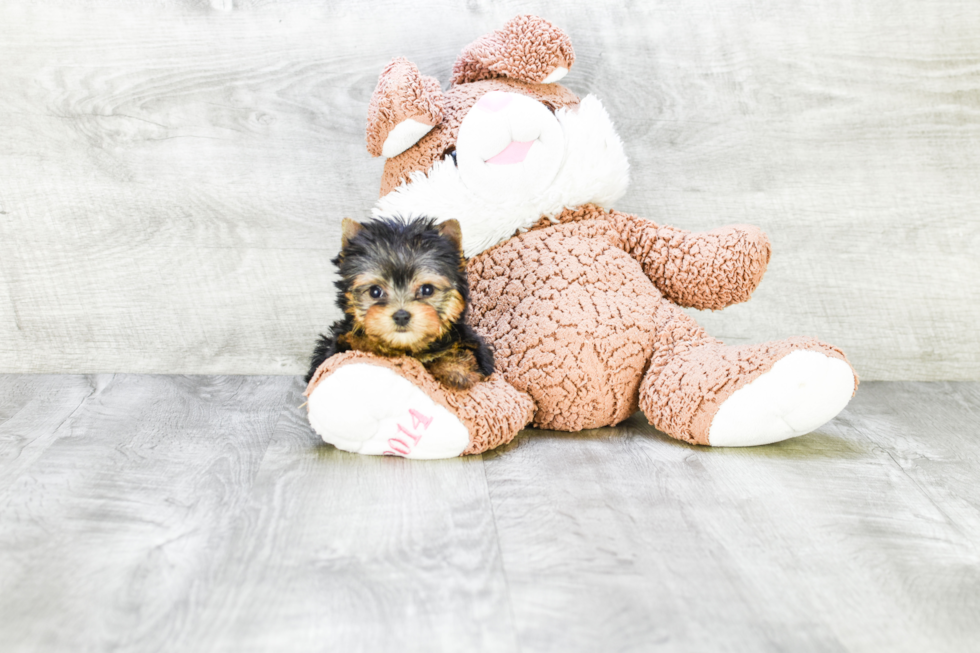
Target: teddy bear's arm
706 270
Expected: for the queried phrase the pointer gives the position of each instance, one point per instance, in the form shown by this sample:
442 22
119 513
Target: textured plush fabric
709 270
583 310
569 315
690 377
593 170
576 310
458 101
402 93
528 49
492 411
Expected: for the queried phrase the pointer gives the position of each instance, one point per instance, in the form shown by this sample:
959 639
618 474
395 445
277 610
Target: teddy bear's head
504 146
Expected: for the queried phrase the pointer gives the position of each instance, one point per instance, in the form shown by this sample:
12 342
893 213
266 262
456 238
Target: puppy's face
407 313
403 286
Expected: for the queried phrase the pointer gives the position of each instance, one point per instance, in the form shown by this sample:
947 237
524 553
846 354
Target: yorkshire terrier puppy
403 291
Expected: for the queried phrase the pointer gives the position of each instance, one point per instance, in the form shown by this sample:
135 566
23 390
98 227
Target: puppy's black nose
401 317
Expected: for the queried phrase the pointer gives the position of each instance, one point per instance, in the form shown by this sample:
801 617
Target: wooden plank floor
165 513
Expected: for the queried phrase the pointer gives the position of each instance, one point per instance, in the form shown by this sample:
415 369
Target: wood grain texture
339 552
109 534
33 411
203 514
167 513
860 537
173 174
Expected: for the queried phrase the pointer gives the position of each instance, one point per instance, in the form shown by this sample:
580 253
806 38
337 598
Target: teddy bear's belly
571 322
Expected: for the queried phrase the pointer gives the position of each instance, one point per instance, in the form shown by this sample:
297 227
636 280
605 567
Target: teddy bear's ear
528 48
405 107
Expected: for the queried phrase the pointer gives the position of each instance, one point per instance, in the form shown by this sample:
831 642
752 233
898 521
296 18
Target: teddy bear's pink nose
495 101
513 153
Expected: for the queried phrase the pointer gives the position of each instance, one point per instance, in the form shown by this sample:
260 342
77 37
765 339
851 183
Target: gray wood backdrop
173 172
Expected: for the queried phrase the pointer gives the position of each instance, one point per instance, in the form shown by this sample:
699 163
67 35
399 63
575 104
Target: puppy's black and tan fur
403 291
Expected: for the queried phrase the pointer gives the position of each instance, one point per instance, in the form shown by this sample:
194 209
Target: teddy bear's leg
379 406
701 391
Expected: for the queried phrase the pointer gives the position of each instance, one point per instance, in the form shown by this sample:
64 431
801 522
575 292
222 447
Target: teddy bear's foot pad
371 410
801 392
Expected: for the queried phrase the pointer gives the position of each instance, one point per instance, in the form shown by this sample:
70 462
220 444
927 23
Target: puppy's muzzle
401 317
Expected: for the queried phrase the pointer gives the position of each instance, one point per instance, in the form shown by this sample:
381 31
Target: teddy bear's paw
801 392
368 409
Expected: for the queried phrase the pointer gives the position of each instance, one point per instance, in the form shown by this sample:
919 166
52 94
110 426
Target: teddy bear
581 303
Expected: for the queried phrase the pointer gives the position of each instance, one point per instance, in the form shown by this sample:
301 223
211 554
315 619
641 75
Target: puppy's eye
376 292
426 290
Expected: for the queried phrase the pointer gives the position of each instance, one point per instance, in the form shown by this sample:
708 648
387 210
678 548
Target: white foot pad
371 410
803 391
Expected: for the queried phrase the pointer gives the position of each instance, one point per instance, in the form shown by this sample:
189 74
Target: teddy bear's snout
509 141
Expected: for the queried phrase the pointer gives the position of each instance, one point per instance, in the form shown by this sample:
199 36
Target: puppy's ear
450 229
348 229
